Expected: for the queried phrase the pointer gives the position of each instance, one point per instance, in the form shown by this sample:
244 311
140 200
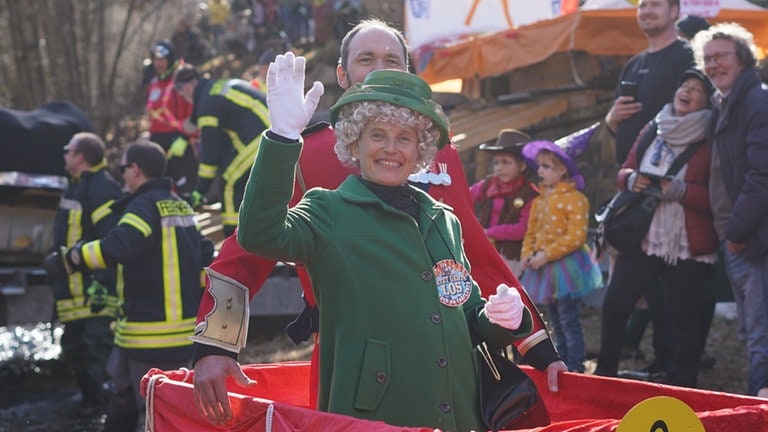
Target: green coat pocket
375 375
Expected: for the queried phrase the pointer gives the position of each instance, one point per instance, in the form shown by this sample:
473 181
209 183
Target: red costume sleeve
318 167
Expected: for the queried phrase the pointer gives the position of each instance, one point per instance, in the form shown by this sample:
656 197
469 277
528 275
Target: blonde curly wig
354 116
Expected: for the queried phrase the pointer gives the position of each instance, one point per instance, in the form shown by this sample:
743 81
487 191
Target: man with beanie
688 25
260 81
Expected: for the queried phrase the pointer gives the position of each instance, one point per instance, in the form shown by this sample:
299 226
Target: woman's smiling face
691 96
387 153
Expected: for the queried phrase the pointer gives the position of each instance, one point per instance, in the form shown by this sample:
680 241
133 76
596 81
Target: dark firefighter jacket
231 116
85 213
160 255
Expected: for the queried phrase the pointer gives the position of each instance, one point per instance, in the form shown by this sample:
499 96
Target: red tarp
585 403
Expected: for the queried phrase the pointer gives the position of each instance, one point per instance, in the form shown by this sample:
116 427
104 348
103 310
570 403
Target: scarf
499 189
667 237
680 131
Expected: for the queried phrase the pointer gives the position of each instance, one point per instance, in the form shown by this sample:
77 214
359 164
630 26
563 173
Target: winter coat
702 238
558 222
741 140
391 350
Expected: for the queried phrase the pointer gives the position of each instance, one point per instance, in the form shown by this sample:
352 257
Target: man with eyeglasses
85 300
159 255
654 73
738 187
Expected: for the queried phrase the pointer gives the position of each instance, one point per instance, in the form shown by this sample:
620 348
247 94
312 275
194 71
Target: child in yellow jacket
558 269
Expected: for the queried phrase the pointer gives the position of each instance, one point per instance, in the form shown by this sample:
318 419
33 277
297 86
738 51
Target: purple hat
566 149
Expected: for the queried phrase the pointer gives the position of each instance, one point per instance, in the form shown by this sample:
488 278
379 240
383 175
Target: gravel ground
727 374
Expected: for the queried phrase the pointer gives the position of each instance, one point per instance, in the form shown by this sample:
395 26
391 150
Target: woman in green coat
399 313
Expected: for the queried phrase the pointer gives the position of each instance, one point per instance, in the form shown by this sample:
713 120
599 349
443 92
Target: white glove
505 308
289 109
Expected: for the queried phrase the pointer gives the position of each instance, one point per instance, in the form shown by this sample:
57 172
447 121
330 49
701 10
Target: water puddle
39 393
24 347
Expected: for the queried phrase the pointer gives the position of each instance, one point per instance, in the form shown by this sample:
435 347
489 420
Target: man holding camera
649 79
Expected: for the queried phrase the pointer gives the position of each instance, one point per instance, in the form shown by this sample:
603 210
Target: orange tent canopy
597 32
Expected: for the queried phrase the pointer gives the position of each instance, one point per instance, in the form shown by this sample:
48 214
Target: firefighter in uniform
231 115
85 301
159 254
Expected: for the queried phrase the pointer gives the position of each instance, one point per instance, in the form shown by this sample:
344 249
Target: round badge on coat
454 285
518 203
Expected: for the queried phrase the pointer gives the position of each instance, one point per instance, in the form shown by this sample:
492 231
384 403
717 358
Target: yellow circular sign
660 414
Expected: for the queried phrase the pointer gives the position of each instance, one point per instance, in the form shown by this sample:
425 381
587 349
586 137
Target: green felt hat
396 88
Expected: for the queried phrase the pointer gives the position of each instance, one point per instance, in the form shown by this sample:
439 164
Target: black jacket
84 213
160 255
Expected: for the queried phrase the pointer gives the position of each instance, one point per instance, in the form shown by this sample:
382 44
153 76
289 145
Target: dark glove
56 265
73 258
97 296
308 322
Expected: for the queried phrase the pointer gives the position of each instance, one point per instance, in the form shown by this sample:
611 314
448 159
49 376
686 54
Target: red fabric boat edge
585 403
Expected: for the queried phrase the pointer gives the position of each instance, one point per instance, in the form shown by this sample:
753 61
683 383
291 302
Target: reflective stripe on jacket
231 116
161 253
84 213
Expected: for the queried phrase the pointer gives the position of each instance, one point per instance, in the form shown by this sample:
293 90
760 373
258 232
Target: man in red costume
236 275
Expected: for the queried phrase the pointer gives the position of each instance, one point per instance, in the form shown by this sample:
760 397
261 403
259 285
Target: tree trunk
24 30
